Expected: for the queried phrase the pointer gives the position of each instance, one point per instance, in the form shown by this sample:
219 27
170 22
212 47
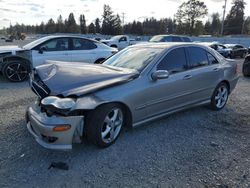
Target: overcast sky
35 11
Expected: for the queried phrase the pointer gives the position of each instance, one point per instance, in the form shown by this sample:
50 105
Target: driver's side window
123 39
175 61
60 44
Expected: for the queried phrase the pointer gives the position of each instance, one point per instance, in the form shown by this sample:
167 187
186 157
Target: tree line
187 21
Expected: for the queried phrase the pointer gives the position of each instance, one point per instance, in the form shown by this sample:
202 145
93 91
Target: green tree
83 26
189 13
108 20
207 27
199 28
235 19
97 25
70 23
60 25
117 25
50 27
216 24
91 28
246 29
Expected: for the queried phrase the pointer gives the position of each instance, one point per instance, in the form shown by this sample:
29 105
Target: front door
171 93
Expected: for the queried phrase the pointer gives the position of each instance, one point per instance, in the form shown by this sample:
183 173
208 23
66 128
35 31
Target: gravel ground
194 148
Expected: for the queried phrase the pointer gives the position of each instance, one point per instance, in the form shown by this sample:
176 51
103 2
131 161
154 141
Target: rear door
205 72
83 50
55 49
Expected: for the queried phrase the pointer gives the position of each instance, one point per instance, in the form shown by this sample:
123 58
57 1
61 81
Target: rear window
186 39
83 44
176 39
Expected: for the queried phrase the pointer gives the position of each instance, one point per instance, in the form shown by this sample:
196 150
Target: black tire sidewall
94 123
4 69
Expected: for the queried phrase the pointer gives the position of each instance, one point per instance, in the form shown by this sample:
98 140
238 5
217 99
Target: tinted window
83 44
174 61
186 39
198 57
167 39
176 39
239 46
60 44
123 39
212 59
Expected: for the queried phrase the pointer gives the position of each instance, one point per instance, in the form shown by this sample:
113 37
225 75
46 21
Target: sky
35 11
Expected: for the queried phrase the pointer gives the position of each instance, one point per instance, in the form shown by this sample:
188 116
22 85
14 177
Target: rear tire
16 71
246 69
219 97
104 124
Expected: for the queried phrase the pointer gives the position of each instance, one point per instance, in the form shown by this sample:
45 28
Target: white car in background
121 41
16 62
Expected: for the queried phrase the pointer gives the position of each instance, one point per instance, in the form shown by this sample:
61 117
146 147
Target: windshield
116 37
35 43
156 39
133 58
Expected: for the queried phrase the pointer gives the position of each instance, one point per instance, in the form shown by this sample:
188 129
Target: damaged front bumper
42 127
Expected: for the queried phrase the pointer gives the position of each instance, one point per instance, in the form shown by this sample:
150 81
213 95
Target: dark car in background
246 66
170 38
222 49
237 50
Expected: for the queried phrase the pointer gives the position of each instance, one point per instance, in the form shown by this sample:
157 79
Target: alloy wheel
16 72
112 125
221 96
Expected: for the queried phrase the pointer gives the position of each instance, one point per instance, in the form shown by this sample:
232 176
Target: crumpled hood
64 78
12 49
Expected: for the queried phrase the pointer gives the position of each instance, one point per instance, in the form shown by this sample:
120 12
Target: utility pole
223 19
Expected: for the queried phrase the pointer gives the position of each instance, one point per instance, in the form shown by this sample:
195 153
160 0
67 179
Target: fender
9 58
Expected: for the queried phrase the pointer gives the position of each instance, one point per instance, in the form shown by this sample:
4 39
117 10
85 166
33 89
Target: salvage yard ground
193 148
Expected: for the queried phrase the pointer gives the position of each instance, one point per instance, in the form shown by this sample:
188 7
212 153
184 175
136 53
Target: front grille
38 87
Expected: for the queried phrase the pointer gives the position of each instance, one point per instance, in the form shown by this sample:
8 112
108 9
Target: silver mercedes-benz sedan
139 84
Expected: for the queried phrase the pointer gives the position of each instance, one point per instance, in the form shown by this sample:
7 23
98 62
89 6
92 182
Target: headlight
60 103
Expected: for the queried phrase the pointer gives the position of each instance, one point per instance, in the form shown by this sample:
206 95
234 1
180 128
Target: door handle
187 77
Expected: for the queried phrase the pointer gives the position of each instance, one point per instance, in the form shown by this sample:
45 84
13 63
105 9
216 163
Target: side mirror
42 49
159 74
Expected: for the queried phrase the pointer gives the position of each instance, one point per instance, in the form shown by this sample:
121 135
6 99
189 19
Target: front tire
220 97
16 71
104 124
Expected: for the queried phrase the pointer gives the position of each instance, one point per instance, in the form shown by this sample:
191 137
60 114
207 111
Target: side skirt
171 112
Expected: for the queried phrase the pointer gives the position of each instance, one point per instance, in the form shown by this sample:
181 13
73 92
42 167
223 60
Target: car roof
69 36
172 36
165 45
